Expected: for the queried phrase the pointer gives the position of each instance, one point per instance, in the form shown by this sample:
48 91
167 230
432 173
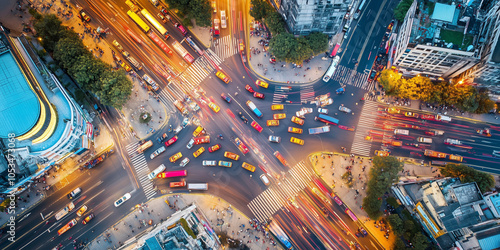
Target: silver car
344 109
209 163
275 139
184 162
190 144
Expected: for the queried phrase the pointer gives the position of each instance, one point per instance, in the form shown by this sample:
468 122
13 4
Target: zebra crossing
276 196
141 168
346 76
190 78
226 47
360 146
306 93
279 94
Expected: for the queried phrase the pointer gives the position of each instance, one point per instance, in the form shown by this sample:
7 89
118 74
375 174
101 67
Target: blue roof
19 106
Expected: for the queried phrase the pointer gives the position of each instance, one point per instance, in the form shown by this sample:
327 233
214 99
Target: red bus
171 174
351 214
160 43
134 36
334 51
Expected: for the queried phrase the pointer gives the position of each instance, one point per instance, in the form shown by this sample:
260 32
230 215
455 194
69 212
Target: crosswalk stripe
226 47
141 168
360 146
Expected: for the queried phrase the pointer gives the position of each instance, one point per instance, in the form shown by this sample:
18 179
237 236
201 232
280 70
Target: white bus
331 69
358 11
155 23
198 186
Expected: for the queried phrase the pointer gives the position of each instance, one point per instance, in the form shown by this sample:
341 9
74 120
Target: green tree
301 52
275 23
390 81
50 30
199 10
318 42
410 229
383 174
396 224
485 103
398 245
392 201
420 242
87 71
281 45
68 50
467 174
402 9
115 88
260 9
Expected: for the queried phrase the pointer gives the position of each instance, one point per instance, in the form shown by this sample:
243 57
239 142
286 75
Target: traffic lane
288 223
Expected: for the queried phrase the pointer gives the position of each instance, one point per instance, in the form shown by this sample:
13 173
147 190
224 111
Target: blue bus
327 119
254 108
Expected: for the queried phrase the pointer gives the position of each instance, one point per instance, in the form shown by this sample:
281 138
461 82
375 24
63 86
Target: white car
344 109
184 162
275 139
307 110
122 199
157 152
190 144
496 153
264 179
209 163
323 111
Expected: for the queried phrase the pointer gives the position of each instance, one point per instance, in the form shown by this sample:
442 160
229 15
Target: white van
74 193
443 118
155 172
223 19
264 179
401 132
424 140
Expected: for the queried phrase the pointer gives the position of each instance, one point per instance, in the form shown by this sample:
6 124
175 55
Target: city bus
351 214
160 43
183 52
197 186
335 50
358 11
66 227
155 23
138 21
171 174
193 45
327 119
134 36
331 69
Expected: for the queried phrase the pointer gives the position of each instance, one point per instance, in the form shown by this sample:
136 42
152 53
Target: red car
214 148
202 139
337 200
427 117
249 88
256 126
258 95
241 146
171 141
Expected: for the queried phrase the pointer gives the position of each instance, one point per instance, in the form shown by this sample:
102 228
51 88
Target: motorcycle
221 137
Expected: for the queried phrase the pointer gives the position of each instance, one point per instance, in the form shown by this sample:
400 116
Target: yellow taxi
295 130
297 141
198 131
248 167
126 67
198 152
262 84
456 158
277 107
82 210
231 155
225 164
393 110
381 153
273 123
175 157
279 116
214 107
297 120
222 76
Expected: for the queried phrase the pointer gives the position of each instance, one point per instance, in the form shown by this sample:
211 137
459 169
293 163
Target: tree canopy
199 10
275 23
382 175
112 87
467 174
464 97
260 9
402 9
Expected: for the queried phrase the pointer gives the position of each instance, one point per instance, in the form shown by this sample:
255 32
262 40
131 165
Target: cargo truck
434 154
65 211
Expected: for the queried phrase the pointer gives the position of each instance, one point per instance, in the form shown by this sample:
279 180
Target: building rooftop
489 239
444 12
19 106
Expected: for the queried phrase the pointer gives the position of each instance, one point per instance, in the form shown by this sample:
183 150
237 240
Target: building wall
306 16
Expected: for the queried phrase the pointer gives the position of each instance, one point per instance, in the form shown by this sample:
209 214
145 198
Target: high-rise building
435 40
487 71
306 16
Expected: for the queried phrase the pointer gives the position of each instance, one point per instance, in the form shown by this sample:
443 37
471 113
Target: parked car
184 162
225 164
175 157
297 120
323 111
273 123
295 130
296 140
157 152
344 109
199 152
273 138
231 155
171 141
190 143
279 116
209 163
258 95
214 148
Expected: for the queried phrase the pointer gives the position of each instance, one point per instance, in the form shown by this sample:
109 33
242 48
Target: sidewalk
332 167
224 219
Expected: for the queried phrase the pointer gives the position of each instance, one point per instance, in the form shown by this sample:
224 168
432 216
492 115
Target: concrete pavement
223 218
331 167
